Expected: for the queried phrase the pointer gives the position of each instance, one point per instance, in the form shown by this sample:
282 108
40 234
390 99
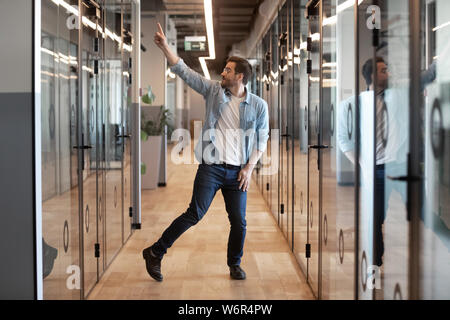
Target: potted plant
152 131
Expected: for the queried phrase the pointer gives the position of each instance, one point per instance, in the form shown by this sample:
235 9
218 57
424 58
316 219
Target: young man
234 137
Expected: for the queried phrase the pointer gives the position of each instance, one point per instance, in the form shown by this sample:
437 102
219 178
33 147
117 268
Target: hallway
195 267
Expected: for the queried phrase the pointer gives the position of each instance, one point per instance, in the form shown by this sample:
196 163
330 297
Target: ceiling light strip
93 25
210 33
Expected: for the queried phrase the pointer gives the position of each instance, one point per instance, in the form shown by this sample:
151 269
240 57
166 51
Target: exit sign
195 43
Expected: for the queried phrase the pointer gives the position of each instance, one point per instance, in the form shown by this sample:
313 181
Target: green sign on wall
195 43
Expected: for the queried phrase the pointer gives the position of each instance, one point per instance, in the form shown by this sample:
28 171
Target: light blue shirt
253 113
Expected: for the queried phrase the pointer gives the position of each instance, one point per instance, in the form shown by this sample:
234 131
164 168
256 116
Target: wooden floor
195 267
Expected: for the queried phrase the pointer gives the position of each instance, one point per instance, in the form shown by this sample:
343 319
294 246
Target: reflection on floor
195 267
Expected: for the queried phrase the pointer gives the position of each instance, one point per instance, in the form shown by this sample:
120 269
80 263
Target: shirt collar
227 94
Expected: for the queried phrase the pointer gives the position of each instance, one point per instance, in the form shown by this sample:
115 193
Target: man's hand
244 177
161 42
160 38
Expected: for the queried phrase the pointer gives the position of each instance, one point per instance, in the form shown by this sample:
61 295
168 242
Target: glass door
431 156
383 122
338 170
391 115
314 105
113 130
89 148
273 84
361 147
284 98
300 134
59 129
126 118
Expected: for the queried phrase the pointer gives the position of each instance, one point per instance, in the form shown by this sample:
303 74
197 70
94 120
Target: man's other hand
244 177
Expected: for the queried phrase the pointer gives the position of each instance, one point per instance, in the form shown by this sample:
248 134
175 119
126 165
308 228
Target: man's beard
223 83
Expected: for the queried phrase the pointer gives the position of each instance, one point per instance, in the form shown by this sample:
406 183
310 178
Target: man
230 111
391 141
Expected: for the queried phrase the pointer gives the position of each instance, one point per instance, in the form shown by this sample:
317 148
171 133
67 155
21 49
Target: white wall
197 106
153 62
15 27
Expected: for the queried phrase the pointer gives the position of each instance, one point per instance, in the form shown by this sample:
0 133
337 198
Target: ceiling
233 21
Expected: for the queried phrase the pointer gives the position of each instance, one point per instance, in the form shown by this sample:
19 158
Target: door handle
124 136
318 147
82 147
406 178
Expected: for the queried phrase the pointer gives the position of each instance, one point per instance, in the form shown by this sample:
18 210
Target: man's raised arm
192 78
161 42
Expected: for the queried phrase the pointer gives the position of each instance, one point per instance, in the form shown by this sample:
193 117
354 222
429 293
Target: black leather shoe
153 264
237 273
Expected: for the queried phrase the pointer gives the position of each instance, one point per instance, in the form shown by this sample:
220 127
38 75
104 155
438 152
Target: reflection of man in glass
391 140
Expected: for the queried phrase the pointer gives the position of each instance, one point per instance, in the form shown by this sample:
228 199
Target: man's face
382 75
229 77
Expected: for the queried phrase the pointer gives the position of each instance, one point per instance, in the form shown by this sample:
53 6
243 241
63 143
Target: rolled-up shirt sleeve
262 128
192 78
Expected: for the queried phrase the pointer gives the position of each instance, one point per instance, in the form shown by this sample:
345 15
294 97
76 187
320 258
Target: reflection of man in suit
390 146
391 141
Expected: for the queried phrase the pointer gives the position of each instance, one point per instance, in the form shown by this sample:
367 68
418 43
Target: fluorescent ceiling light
442 26
210 33
92 25
343 6
209 29
330 65
195 38
204 67
170 74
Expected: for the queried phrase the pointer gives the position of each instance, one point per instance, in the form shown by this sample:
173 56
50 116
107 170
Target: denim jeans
209 179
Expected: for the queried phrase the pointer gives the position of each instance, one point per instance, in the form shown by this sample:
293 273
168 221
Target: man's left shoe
153 264
237 273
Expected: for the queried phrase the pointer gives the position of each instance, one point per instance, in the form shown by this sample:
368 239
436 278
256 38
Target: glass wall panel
289 60
338 193
86 126
300 135
284 99
434 224
91 89
273 84
60 202
113 130
314 140
126 118
391 85
365 140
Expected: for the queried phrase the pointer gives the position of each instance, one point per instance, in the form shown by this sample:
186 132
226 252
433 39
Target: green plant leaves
156 128
149 97
144 135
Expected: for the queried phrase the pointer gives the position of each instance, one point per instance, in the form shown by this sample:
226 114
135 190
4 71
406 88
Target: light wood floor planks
195 267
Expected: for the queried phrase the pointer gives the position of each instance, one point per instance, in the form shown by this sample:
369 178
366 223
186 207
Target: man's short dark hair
242 66
367 69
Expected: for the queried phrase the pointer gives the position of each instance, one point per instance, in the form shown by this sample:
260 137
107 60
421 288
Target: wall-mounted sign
195 43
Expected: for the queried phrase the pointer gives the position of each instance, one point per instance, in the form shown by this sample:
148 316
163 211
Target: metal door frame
415 196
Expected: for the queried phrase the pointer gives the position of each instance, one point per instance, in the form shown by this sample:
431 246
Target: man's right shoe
237 273
153 264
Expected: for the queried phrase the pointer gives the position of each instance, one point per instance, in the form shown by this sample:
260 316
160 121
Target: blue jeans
209 179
